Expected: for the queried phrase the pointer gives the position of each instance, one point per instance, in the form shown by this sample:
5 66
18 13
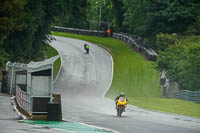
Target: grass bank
137 78
51 52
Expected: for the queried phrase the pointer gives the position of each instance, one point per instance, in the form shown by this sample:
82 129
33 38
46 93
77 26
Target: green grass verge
50 53
175 106
137 78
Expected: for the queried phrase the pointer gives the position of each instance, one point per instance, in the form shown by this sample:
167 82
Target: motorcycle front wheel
120 110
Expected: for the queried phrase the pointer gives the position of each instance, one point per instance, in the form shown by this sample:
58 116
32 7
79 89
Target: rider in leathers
120 95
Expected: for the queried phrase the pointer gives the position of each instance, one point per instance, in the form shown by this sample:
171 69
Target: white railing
24 99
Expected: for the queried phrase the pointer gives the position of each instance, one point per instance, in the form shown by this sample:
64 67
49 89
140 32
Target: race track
84 79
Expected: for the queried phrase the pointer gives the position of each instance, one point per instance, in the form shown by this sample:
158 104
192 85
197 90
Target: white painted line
107 129
60 65
111 73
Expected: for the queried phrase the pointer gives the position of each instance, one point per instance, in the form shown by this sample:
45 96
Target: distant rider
86 47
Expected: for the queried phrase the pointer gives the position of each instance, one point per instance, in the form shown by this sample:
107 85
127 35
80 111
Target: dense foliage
99 14
11 13
182 62
73 14
25 26
148 18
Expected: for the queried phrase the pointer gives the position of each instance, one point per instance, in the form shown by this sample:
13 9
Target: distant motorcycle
121 105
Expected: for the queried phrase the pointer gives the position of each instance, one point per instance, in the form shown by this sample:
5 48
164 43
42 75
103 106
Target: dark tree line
25 27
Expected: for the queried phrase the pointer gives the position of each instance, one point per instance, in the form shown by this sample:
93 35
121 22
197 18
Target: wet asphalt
10 120
84 79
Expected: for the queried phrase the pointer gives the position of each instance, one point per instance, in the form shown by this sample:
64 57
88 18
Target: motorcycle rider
118 97
86 47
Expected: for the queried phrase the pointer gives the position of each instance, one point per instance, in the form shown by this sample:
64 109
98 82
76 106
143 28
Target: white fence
24 99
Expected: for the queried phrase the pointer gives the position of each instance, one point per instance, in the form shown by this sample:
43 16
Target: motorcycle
121 105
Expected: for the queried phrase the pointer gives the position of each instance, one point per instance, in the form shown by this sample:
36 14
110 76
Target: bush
164 40
182 61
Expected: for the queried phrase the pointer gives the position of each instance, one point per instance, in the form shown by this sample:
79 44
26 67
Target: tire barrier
135 41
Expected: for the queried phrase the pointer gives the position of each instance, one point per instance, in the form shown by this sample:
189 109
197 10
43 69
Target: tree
190 77
118 14
135 16
148 18
182 63
11 13
99 10
73 15
30 23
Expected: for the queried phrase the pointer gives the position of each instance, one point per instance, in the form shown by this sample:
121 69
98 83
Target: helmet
121 94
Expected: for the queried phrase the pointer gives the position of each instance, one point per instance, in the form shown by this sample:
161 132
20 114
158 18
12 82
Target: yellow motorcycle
121 105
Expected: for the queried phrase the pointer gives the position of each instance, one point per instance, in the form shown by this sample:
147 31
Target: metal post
12 76
51 91
100 17
100 13
7 65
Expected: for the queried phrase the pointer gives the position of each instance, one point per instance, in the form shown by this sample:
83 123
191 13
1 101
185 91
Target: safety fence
24 99
187 95
135 41
80 31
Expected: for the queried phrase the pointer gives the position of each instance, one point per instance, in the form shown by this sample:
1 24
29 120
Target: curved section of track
83 80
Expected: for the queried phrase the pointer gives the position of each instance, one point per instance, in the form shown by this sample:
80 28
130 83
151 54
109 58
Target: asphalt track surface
84 79
9 120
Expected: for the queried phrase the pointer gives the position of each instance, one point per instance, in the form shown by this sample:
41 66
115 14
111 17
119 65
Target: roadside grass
170 105
50 53
137 78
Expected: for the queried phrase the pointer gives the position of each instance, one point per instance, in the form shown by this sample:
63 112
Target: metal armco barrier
187 95
134 41
80 31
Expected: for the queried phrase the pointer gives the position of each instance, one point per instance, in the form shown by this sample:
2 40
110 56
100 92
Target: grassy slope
50 53
137 78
